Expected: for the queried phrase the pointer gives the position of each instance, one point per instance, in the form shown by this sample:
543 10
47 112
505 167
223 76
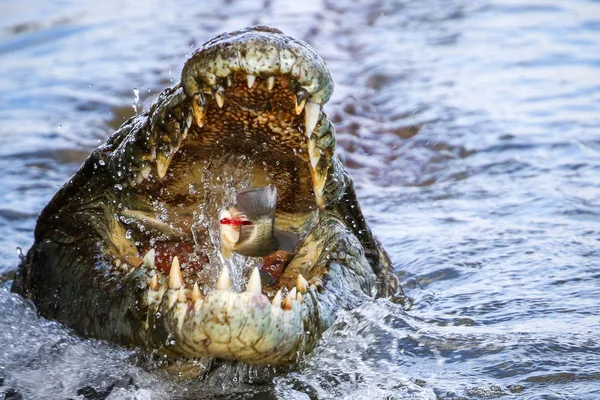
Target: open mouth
248 114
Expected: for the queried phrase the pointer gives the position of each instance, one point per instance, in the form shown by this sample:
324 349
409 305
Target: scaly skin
247 113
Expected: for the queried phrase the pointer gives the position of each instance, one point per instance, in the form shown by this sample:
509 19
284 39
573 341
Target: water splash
360 357
136 100
220 181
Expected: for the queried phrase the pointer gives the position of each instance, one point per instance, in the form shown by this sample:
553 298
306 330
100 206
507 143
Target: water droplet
136 99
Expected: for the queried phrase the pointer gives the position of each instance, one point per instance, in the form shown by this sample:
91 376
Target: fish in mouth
129 249
248 229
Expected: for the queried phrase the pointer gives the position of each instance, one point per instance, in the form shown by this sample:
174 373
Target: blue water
470 127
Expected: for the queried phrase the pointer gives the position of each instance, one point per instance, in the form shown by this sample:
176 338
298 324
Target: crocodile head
129 249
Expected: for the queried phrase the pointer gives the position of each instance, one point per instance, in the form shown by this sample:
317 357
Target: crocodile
128 250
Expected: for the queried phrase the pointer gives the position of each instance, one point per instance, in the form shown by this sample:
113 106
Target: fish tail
258 204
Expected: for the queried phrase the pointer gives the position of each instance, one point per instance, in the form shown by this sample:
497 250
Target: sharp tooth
117 263
320 200
229 81
300 107
254 284
188 121
287 302
175 277
292 294
301 98
301 284
196 294
313 152
198 107
162 164
300 298
223 282
153 284
319 186
181 295
145 170
314 158
220 97
270 83
149 259
251 79
311 116
277 299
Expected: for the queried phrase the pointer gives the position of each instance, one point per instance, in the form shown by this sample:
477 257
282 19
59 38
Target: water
470 127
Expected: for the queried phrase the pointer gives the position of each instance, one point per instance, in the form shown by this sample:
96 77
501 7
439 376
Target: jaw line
244 326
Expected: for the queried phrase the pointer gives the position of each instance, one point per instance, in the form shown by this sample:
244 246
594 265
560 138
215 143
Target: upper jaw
267 54
257 51
263 56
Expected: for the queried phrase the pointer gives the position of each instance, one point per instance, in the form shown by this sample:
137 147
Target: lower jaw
245 326
251 327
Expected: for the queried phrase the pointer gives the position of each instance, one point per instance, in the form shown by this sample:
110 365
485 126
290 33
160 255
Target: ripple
470 129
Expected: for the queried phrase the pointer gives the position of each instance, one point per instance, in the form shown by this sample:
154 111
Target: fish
248 228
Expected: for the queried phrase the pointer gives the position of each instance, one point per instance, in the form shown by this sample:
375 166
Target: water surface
470 128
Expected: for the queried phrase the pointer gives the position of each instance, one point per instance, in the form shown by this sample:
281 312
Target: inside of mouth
255 139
